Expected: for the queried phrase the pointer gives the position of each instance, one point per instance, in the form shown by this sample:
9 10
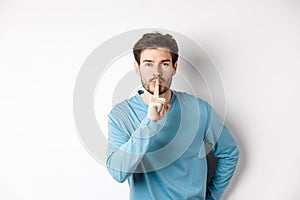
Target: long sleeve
126 150
225 148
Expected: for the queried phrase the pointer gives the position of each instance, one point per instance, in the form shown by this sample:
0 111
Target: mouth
154 80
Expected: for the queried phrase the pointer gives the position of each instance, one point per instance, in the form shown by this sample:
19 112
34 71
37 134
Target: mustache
159 78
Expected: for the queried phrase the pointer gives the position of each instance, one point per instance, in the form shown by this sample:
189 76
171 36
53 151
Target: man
156 138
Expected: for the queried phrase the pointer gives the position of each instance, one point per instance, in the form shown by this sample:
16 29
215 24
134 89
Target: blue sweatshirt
167 159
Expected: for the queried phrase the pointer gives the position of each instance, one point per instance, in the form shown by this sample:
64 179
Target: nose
157 70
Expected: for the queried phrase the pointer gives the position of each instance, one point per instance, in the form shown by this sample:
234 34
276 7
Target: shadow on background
212 162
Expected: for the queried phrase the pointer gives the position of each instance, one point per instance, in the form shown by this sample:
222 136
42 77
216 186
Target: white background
256 48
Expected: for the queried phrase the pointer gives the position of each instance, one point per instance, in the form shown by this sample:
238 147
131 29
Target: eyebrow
166 60
147 60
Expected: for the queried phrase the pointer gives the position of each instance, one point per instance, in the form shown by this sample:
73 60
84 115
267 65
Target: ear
175 68
137 68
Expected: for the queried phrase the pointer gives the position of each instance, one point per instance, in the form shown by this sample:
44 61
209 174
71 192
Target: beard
164 87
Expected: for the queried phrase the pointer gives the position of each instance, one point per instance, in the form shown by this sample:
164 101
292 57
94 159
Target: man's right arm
125 152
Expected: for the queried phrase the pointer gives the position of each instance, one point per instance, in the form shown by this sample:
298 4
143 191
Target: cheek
145 73
169 74
144 77
145 70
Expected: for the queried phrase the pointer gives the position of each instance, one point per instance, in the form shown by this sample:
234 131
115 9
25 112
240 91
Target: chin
160 91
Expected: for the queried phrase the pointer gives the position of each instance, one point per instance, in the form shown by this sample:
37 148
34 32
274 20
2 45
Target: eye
148 64
166 64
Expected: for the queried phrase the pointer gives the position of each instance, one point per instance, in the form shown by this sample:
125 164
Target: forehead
155 54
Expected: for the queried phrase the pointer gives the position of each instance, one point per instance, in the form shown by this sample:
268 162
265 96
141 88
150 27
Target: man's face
156 64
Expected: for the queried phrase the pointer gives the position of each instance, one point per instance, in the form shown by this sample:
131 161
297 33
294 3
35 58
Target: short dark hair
156 40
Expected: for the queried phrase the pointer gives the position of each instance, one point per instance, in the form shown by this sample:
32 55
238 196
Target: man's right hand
157 106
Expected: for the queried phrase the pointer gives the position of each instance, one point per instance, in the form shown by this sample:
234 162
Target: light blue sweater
167 159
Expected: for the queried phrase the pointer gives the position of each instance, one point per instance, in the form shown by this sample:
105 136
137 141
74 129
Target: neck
146 96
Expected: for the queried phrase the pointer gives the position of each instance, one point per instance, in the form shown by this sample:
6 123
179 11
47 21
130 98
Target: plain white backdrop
43 44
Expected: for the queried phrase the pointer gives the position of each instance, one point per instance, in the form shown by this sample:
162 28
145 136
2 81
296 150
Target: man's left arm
225 148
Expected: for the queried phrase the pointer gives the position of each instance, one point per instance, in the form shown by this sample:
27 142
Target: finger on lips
156 89
159 104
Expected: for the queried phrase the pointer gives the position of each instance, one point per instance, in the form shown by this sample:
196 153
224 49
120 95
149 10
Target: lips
153 81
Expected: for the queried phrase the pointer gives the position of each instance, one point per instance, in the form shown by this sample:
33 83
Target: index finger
156 89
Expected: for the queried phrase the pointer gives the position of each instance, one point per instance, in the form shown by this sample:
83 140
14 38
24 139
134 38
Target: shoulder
120 107
193 103
185 97
123 110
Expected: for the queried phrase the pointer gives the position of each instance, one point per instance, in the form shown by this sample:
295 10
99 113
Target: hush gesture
158 107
